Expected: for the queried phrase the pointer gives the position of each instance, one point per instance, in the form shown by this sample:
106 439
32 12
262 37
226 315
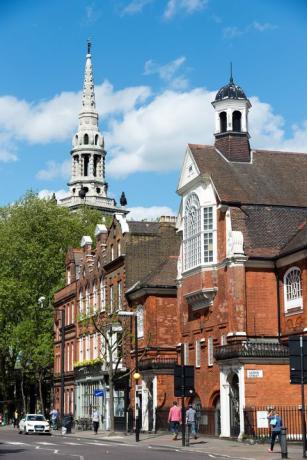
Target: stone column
224 400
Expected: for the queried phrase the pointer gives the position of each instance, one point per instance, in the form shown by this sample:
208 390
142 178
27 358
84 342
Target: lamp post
136 375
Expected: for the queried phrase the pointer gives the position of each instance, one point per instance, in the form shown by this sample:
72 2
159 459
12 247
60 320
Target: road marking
46 443
73 443
55 451
16 443
97 444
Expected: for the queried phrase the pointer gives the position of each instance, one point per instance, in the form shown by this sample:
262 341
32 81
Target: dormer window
236 121
293 289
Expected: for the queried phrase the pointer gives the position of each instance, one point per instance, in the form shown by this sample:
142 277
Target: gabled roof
272 178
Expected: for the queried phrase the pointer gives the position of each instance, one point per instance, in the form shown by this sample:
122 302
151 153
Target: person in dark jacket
275 422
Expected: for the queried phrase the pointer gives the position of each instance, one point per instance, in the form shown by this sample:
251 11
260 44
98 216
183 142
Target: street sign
295 359
98 393
184 381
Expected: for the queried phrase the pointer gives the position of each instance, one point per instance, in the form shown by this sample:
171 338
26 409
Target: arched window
236 121
223 122
293 289
192 232
96 139
140 317
85 139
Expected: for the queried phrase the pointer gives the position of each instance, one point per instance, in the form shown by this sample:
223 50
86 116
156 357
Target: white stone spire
87 184
88 97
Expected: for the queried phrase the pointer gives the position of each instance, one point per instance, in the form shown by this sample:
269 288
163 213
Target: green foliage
34 237
88 362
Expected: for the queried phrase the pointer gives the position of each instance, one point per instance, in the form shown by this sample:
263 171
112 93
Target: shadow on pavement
10 451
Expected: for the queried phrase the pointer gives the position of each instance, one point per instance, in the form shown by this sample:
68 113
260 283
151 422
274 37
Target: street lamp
136 376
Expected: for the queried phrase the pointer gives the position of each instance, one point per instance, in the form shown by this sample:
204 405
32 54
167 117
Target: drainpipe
278 300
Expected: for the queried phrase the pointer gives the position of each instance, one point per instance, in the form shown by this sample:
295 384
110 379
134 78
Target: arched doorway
234 404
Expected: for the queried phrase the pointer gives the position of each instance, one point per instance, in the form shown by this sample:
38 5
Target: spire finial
230 79
89 44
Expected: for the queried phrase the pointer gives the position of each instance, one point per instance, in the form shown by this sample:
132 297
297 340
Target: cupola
231 122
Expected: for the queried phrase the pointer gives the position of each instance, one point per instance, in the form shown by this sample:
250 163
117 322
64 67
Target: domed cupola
230 91
231 122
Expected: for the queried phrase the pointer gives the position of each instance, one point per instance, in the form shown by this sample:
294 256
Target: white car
33 423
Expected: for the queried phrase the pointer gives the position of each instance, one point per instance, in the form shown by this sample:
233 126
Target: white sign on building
254 373
262 419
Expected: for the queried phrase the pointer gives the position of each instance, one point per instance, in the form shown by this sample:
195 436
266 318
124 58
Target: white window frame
87 347
95 346
111 298
197 353
210 351
95 297
119 250
199 233
119 295
81 305
186 353
293 292
102 295
87 301
80 349
140 321
223 339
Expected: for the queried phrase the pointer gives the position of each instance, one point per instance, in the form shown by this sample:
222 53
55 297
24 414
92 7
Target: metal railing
157 363
251 349
290 415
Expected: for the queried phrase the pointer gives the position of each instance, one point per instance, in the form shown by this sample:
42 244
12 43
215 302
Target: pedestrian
54 419
95 419
16 416
174 418
191 421
275 422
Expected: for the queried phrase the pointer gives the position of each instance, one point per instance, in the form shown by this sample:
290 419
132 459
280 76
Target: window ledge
201 299
293 310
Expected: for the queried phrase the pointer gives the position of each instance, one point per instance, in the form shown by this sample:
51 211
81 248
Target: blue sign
98 393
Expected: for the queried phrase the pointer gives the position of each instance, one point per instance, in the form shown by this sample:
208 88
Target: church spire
88 96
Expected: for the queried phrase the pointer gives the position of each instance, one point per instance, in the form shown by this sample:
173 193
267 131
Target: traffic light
184 381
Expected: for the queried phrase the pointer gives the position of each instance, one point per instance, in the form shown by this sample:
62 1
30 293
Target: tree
34 237
116 344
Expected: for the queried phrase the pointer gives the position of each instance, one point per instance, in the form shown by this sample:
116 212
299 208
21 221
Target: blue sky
157 66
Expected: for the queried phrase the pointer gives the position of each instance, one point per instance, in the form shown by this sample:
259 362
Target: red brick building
65 308
243 267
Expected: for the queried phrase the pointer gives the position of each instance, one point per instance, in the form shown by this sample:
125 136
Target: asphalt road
36 447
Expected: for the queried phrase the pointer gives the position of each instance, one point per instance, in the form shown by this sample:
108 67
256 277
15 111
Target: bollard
283 443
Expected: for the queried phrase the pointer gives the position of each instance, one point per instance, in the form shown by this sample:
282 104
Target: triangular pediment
189 170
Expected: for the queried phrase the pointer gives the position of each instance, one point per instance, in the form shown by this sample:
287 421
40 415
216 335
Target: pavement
229 449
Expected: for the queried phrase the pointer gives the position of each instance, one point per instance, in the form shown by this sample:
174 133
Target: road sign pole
183 393
303 397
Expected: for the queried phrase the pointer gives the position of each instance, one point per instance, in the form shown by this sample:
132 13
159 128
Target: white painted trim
236 334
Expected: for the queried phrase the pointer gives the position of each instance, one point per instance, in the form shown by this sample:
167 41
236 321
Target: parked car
33 423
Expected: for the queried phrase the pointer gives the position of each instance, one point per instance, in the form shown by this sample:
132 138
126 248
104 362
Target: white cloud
151 213
173 7
47 194
55 170
55 120
167 72
135 6
235 32
153 137
261 27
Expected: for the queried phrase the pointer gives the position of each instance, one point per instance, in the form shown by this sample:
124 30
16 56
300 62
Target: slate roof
273 178
163 276
143 227
270 231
